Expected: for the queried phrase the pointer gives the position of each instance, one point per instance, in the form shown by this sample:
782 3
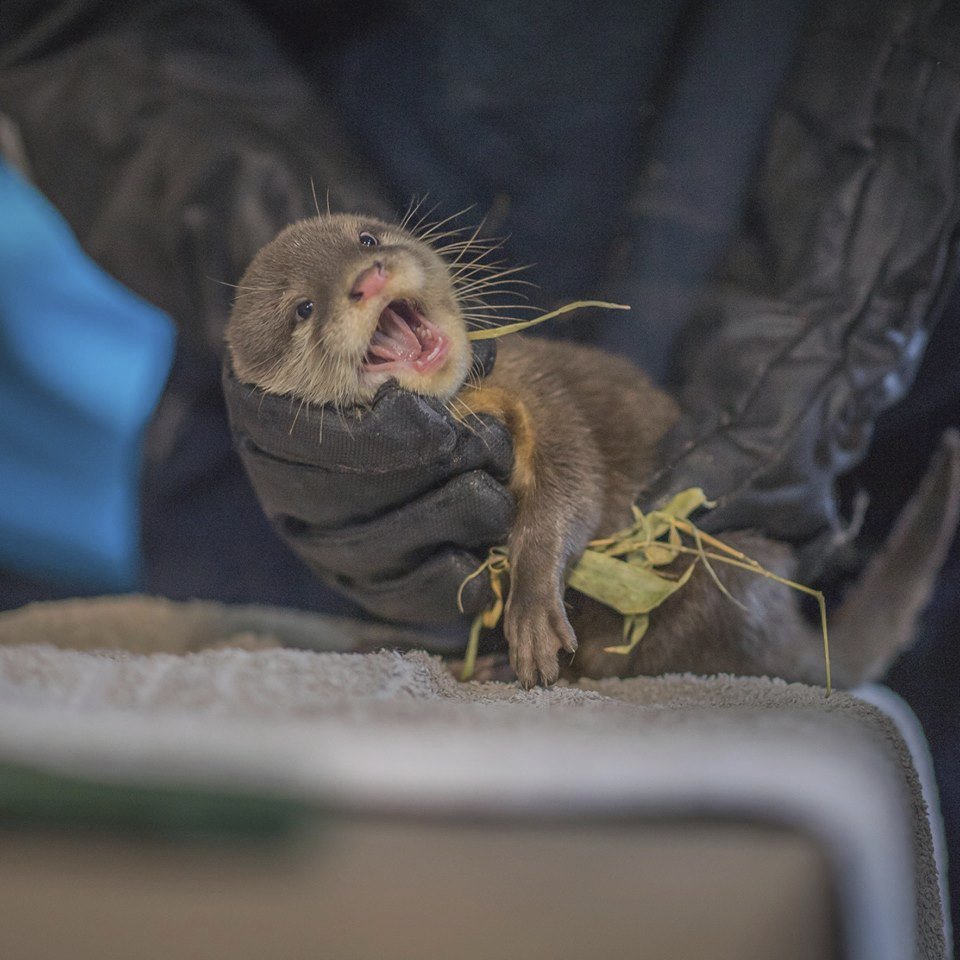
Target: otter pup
337 305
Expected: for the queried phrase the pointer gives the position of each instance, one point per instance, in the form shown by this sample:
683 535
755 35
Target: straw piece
634 629
492 333
621 572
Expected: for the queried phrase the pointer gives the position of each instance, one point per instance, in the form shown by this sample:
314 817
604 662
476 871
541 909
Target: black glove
194 137
821 312
394 506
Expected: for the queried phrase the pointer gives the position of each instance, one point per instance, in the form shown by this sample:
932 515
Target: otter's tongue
394 339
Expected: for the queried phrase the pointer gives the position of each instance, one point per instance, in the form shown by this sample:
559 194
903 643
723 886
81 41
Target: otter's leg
557 512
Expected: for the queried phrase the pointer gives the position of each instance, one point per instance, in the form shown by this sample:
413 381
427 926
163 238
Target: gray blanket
143 690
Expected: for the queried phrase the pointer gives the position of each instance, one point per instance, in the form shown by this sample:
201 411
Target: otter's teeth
393 339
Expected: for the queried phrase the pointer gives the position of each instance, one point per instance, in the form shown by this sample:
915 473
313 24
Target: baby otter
337 305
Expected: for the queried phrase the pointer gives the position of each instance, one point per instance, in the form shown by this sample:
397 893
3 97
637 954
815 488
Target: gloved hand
394 506
821 312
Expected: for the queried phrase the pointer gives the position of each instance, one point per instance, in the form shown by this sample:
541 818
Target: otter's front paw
536 632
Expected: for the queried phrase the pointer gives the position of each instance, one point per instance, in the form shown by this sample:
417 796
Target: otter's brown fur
318 359
585 426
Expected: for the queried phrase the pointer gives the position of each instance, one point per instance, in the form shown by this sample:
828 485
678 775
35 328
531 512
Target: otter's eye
368 239
304 310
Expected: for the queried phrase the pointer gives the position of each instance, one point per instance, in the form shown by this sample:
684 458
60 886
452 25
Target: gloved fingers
395 505
472 512
726 465
331 468
399 431
428 593
390 434
329 498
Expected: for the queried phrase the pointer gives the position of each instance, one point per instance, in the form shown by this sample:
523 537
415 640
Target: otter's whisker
296 417
435 237
484 291
506 272
415 230
477 306
427 232
463 412
496 310
473 236
471 246
479 243
475 301
478 266
498 289
495 316
489 271
463 277
475 373
412 207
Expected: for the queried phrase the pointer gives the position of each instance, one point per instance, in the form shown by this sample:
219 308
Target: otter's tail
879 616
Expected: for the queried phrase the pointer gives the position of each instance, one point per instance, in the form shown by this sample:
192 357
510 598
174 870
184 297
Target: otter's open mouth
405 340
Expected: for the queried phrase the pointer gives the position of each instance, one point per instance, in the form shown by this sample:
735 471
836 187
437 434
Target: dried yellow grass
492 333
624 572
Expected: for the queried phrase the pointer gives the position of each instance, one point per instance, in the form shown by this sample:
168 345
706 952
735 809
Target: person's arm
394 507
177 139
818 318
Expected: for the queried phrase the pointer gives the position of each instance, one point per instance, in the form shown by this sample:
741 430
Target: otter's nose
370 282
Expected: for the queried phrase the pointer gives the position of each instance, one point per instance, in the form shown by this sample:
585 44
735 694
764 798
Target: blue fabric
82 365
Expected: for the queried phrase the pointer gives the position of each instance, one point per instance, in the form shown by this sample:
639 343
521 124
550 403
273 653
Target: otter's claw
536 633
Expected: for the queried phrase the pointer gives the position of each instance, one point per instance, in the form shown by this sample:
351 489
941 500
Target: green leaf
628 588
656 523
684 503
660 554
634 629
